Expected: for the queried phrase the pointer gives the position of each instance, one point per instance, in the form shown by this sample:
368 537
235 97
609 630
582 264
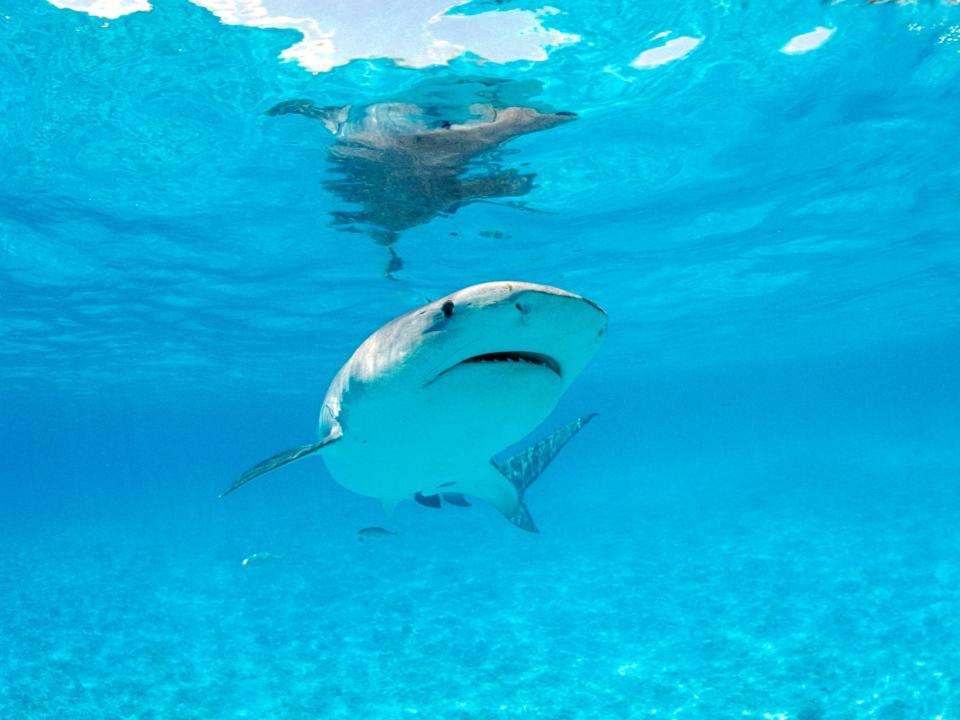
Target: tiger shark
425 403
404 164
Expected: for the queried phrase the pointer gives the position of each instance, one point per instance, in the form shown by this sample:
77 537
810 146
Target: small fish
260 557
373 532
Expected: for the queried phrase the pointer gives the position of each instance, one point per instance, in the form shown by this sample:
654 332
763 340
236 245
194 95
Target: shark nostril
522 308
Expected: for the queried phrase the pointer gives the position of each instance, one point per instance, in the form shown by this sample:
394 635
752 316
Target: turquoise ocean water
760 523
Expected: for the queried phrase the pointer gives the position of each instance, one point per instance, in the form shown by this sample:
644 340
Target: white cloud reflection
103 8
417 33
807 41
671 50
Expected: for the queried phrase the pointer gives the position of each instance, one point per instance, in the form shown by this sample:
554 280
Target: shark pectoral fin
521 470
283 458
329 115
456 499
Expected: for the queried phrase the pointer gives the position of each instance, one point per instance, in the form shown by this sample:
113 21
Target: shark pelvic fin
283 458
521 470
457 499
432 501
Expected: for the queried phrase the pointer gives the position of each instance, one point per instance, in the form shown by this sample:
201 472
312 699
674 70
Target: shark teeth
516 356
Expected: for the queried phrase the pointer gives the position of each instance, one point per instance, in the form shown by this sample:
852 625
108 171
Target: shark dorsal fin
456 499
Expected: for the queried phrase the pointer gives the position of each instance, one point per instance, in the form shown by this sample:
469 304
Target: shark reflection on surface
404 164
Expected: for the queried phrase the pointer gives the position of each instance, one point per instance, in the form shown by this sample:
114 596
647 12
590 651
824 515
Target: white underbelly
398 443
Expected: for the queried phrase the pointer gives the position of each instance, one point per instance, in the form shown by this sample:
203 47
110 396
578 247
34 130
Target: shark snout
558 118
575 314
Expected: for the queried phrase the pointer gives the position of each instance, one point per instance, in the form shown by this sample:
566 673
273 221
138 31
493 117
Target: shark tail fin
282 458
522 469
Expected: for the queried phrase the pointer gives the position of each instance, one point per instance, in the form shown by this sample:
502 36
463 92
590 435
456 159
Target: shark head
542 331
522 120
516 344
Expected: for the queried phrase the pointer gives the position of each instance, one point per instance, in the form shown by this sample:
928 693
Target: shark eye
447 309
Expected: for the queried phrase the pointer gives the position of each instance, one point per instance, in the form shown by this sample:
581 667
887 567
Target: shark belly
440 437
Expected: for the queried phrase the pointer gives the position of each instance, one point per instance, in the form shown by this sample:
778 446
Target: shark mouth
516 356
508 356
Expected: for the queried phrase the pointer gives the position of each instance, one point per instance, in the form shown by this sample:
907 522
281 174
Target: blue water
761 522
